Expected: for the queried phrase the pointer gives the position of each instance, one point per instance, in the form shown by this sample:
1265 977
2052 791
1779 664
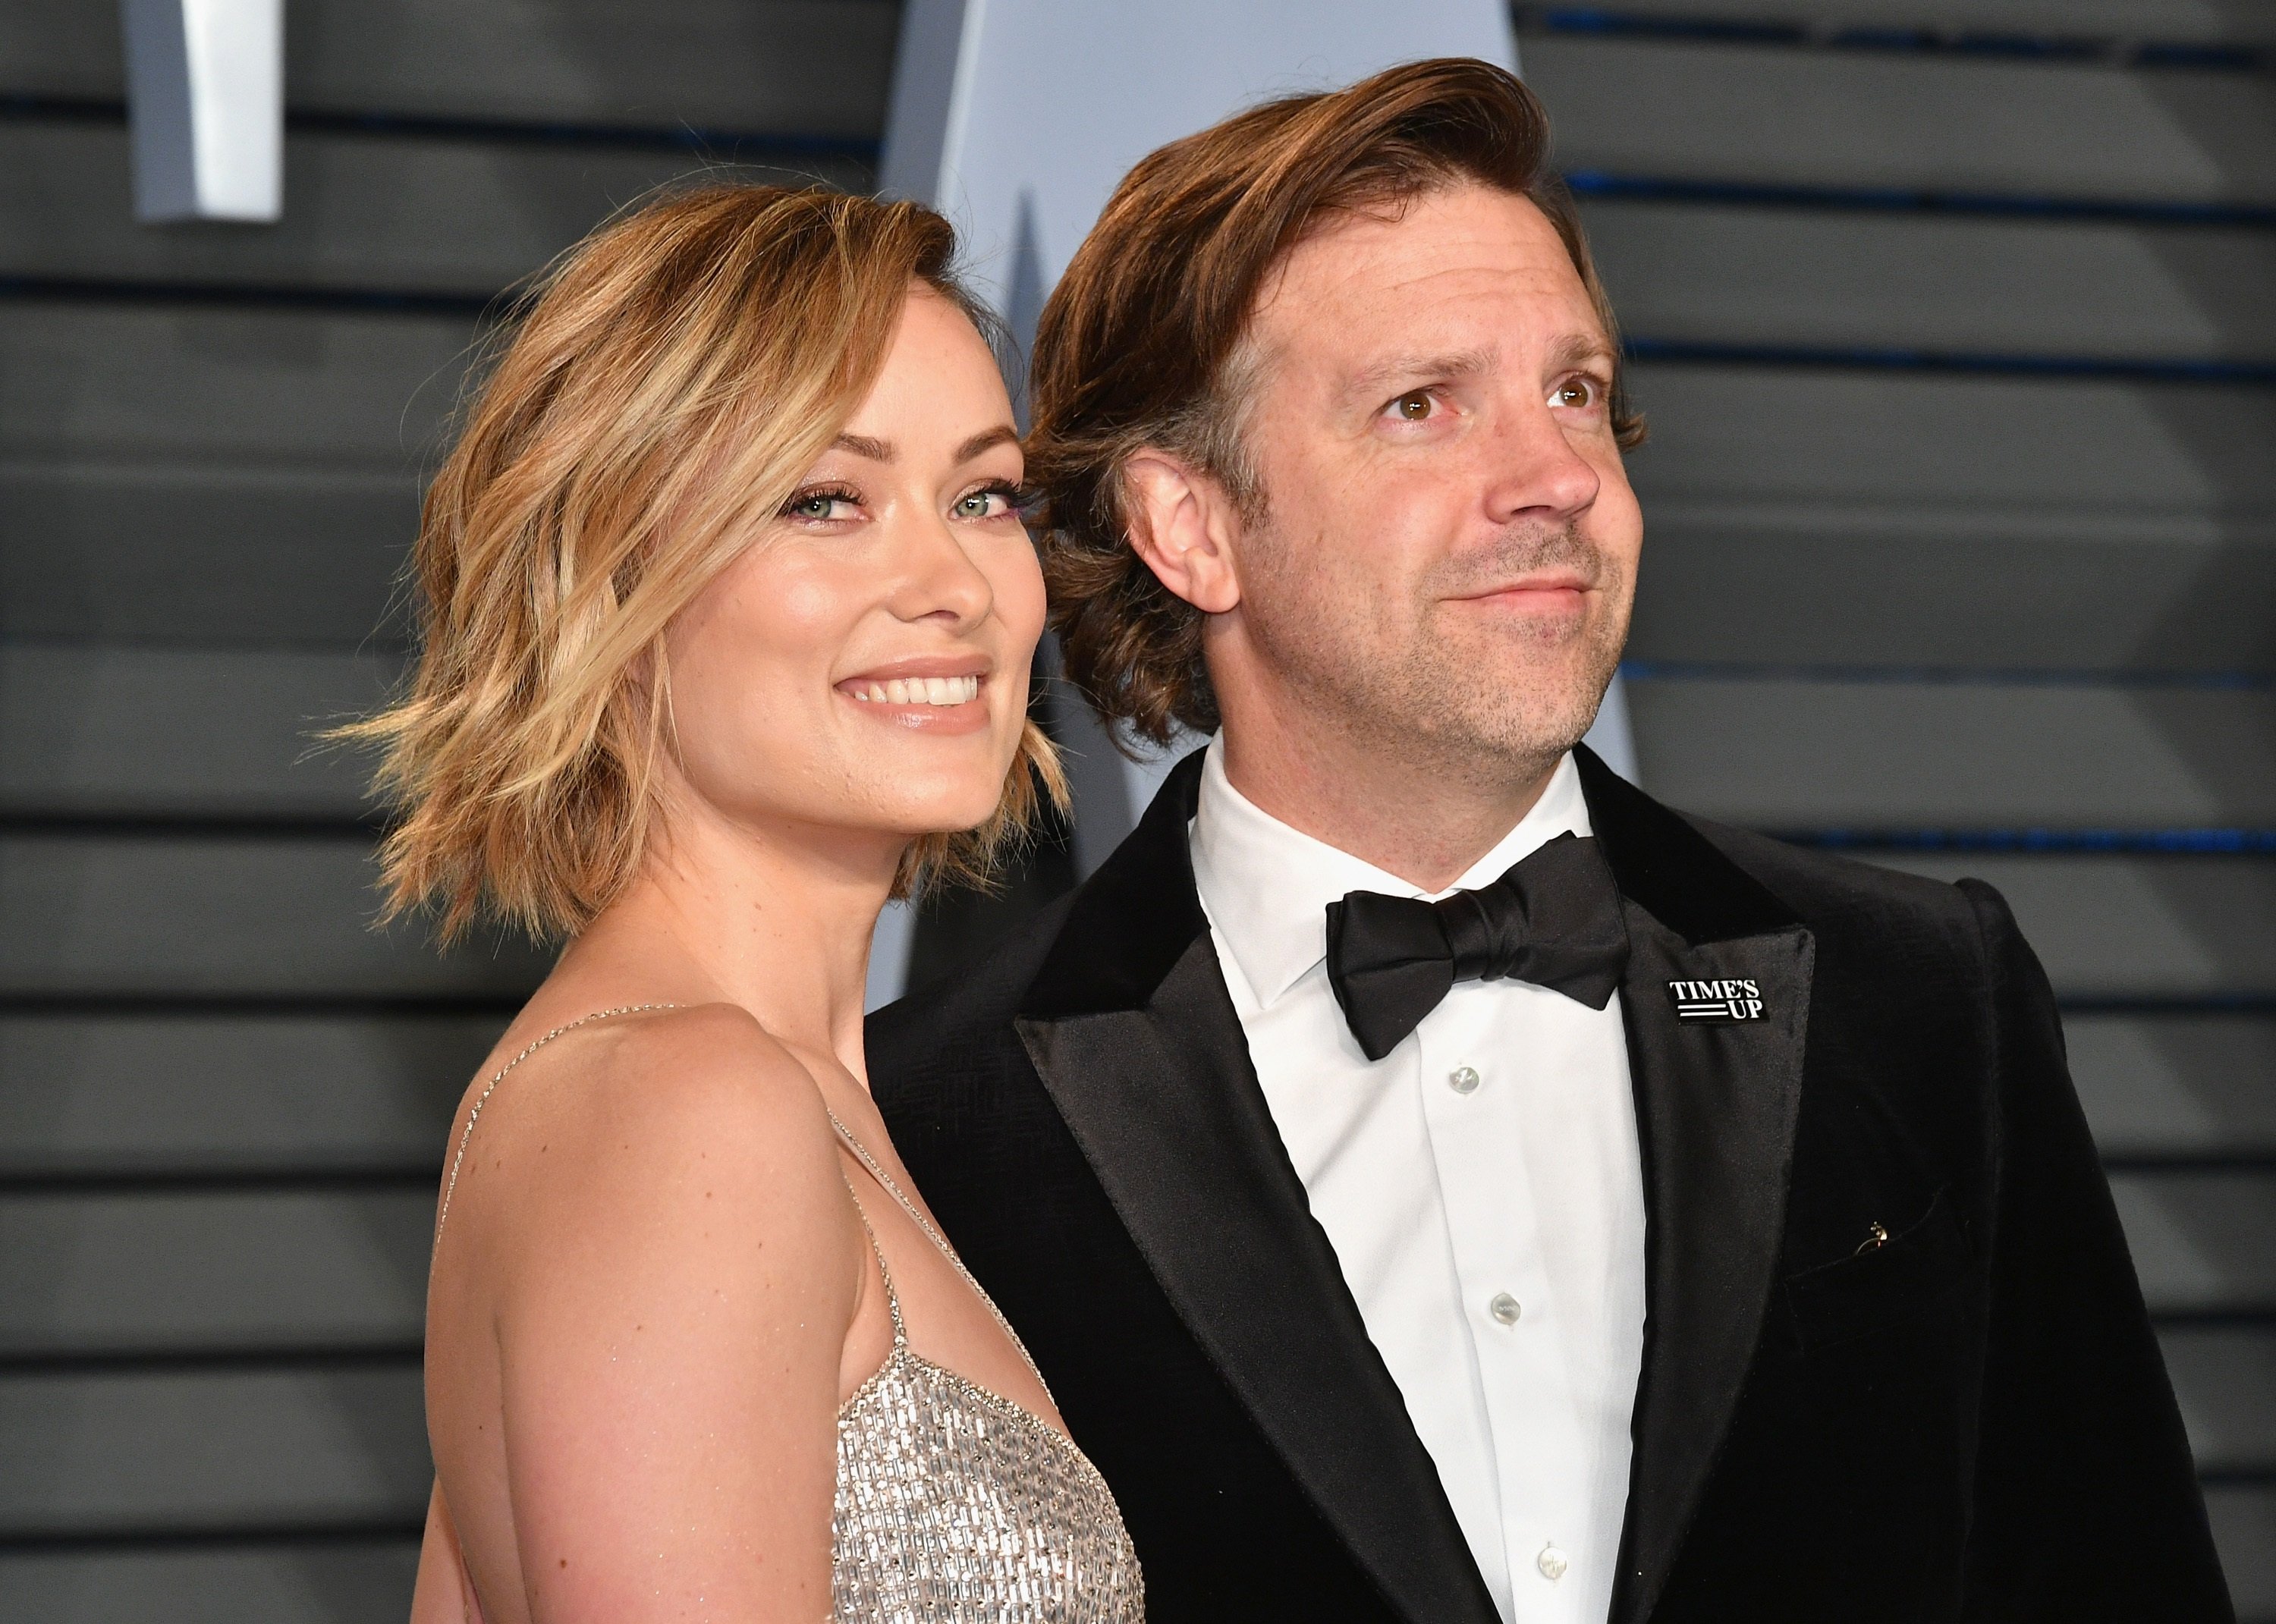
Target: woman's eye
1413 407
988 502
818 506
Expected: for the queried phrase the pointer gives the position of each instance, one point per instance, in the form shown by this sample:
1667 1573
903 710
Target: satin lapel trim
1166 1104
1715 1111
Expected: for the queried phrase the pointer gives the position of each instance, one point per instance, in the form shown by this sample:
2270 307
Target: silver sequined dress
955 1506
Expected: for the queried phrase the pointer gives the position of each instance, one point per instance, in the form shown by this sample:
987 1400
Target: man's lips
1537 587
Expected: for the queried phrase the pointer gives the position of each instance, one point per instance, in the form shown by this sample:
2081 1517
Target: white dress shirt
1482 1186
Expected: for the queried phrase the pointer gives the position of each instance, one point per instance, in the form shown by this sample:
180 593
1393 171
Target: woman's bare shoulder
620 1130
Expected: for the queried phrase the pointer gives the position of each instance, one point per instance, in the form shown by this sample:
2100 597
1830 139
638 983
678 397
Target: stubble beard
1431 685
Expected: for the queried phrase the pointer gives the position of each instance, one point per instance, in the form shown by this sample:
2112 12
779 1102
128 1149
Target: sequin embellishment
956 1505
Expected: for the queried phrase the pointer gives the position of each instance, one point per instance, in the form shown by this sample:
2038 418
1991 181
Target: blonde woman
728 612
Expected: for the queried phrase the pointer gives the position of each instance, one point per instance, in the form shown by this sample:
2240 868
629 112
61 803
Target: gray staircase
1963 517
1956 323
223 1096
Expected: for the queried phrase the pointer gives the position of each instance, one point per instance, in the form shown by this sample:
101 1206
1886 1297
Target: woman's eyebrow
862 446
988 439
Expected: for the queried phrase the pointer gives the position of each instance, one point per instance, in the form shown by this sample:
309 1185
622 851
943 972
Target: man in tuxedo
1440 1183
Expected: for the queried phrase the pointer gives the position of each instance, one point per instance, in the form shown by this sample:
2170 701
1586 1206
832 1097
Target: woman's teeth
920 691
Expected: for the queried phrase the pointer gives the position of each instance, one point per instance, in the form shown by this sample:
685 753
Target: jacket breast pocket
1915 1270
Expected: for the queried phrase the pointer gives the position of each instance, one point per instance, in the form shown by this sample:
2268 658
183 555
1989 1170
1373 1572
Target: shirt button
1551 1562
1462 1079
1505 1308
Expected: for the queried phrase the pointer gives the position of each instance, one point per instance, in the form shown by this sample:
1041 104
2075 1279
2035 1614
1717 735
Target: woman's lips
932 704
936 691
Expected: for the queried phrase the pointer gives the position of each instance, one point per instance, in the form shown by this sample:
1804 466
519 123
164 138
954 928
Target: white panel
889 955
206 87
1141 75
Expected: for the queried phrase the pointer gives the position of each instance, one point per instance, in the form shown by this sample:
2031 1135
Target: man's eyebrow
862 446
1400 369
988 439
1575 348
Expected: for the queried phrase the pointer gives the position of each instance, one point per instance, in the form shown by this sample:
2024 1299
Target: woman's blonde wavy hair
671 381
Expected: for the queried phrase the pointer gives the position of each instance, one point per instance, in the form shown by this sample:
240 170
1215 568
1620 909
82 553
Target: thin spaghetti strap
884 1271
451 1180
885 1183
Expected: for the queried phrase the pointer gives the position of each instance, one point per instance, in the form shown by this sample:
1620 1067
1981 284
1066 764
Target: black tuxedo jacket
1969 1422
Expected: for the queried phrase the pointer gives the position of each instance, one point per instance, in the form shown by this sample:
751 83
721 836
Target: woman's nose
939 576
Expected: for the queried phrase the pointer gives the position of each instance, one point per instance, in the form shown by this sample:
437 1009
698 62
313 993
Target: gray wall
1961 368
1960 503
223 1096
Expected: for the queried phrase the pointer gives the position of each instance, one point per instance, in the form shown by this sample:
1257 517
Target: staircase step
356 1581
112 731
1878 120
2244 1529
183 1096
204 555
213 476
1794 754
2200 1239
185 388
216 1270
2186 928
151 1454
1962 447
1784 278
813 67
1923 519
400 214
224 916
2176 1085
2243 22
2225 1378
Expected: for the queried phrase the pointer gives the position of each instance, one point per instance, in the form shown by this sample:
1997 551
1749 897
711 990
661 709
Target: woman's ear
1183 526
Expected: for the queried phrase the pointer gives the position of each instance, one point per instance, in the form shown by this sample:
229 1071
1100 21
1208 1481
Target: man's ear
1183 526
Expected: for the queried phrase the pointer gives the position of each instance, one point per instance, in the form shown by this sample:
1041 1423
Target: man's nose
1536 470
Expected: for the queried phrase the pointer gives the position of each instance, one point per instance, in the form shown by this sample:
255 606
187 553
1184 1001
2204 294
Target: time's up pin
1723 1001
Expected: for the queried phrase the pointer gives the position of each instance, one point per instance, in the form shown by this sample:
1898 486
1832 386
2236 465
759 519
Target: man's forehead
1446 259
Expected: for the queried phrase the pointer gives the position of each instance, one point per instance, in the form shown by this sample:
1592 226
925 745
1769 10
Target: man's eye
1575 392
1413 407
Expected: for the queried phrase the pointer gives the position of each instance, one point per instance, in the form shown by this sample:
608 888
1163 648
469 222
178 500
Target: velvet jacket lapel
1133 1032
1716 1106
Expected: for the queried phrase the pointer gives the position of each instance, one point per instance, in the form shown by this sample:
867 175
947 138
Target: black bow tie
1553 919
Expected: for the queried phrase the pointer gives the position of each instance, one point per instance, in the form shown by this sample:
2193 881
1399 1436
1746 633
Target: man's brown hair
1142 343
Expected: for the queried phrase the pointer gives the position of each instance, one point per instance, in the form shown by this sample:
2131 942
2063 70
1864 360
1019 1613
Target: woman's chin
949 811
